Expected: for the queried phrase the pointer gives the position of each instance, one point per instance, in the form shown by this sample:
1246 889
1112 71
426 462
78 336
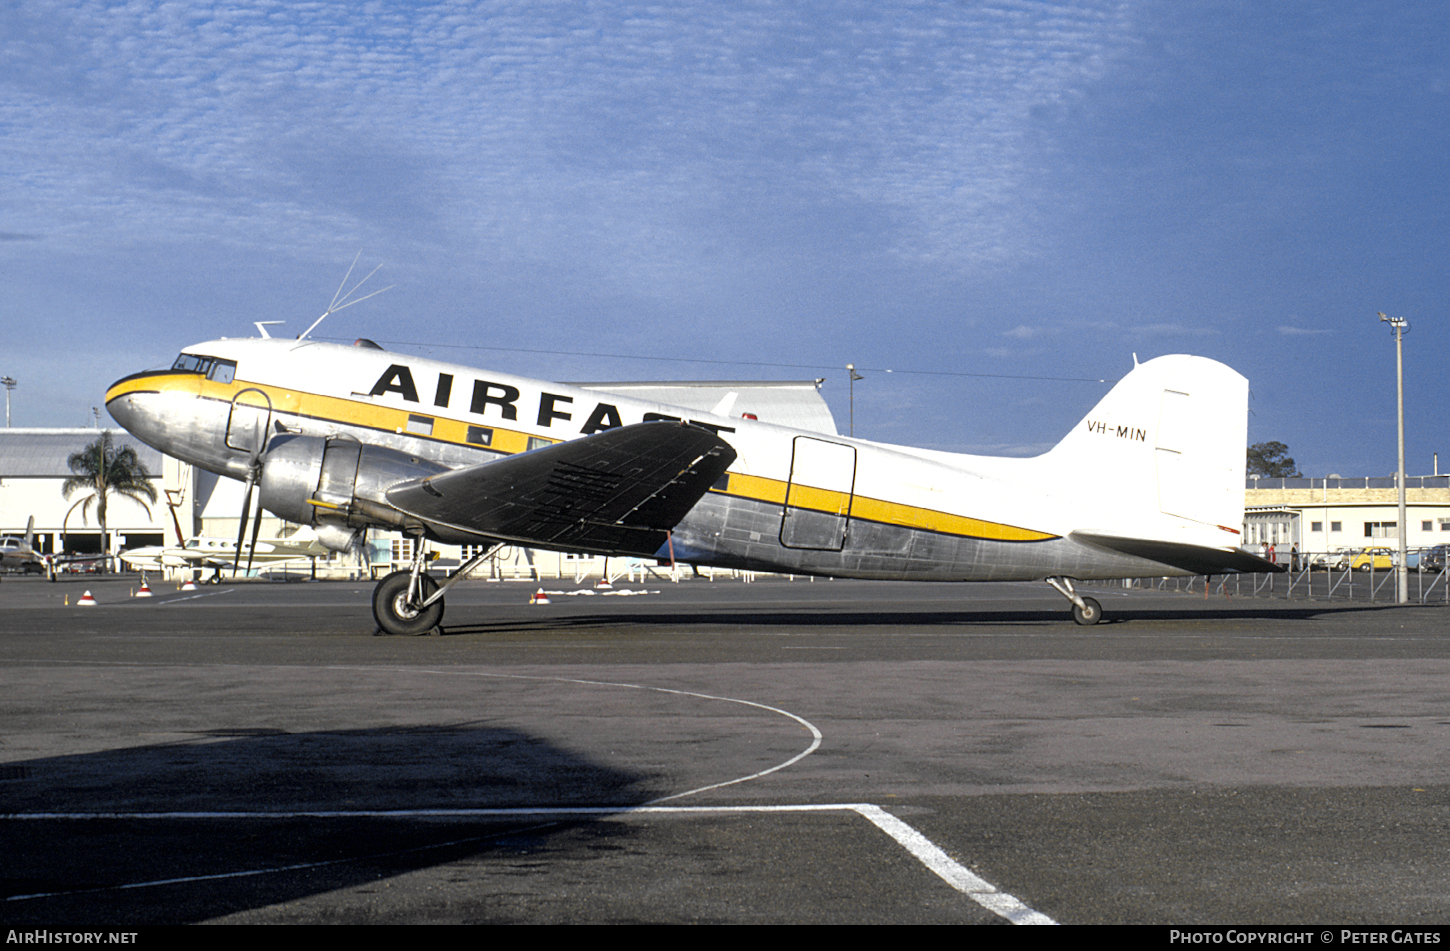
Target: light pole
1401 326
9 383
851 368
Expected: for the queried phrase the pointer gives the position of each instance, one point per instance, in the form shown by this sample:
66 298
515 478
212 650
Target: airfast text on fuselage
553 407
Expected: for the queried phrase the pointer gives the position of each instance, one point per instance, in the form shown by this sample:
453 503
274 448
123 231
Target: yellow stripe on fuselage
878 510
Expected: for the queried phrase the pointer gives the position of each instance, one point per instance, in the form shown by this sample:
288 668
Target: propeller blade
242 528
252 548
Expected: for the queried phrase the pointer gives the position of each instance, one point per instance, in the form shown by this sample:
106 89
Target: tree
1271 459
107 470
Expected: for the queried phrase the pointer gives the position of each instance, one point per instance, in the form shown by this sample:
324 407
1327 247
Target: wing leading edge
616 492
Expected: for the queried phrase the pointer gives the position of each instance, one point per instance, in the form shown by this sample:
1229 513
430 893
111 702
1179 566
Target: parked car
1435 559
1337 560
1373 559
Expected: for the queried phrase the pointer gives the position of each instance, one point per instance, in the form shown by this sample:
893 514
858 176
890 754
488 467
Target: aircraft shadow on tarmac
80 868
461 623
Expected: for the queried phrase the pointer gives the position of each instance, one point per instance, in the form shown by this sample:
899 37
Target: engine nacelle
338 485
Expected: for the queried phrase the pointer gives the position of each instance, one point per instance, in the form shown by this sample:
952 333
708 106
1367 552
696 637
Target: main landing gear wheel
1090 613
393 611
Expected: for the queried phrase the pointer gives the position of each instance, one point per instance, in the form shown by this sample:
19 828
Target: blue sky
972 195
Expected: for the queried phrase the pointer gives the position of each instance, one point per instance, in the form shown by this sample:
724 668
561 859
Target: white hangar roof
42 453
795 403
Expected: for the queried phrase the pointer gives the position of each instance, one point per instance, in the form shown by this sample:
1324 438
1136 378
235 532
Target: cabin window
480 435
539 442
420 425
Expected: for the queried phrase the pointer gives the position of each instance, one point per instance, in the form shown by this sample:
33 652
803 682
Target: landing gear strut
1085 611
411 602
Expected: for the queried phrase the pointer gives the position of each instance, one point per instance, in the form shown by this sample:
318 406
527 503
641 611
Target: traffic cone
145 591
85 601
189 586
604 585
539 597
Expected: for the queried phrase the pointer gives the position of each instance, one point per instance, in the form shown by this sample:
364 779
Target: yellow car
1373 559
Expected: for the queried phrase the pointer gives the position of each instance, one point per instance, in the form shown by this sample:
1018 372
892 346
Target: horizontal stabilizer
1196 559
616 492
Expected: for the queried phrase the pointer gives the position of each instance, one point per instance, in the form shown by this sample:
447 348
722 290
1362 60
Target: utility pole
1401 326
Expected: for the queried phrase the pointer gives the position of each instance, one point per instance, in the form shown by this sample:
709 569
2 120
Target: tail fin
30 534
1162 455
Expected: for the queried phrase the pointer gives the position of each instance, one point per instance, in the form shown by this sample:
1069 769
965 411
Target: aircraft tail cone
85 601
539 597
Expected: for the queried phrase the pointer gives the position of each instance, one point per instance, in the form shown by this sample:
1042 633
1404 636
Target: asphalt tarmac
780 751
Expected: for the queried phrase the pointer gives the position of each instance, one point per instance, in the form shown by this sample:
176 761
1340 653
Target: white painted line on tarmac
946 868
953 872
816 736
193 597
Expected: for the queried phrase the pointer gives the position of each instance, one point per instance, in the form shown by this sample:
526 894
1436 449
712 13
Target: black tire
392 612
1090 613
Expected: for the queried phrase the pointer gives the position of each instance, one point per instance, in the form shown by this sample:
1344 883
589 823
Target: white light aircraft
341 438
202 551
19 554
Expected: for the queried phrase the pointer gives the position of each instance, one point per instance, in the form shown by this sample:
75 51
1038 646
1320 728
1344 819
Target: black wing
616 492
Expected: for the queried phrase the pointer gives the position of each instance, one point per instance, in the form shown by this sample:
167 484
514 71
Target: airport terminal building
1326 515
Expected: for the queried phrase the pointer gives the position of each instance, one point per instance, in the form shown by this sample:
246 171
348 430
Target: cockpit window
220 371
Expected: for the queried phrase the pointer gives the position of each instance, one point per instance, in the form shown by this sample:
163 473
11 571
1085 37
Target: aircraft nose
138 404
121 404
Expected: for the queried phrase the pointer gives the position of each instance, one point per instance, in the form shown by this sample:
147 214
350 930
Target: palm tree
108 470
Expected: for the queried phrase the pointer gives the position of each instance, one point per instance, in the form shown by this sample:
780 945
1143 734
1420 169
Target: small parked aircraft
19 554
204 551
342 438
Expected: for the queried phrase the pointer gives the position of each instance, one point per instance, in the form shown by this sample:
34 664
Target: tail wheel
1090 613
393 611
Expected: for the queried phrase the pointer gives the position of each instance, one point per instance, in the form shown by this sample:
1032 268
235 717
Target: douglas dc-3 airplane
340 438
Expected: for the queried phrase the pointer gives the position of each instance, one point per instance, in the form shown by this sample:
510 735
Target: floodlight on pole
1400 326
851 368
9 383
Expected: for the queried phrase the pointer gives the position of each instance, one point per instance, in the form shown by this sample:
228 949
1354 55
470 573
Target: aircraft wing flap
1195 558
618 491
